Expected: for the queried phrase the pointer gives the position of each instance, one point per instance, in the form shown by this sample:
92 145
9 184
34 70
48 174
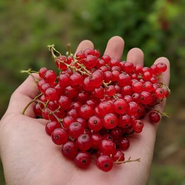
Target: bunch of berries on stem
94 103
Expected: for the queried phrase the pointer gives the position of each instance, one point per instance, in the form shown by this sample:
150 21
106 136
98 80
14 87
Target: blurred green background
156 26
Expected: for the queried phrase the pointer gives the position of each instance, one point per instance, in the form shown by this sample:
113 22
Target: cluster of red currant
95 103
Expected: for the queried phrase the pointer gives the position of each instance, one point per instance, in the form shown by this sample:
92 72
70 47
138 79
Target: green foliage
165 175
156 26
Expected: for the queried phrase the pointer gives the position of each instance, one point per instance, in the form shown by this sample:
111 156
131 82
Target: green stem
32 101
129 160
53 51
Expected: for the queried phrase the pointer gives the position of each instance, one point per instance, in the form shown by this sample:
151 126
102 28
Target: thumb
24 94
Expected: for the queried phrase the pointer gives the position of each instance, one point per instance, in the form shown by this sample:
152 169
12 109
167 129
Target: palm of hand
30 157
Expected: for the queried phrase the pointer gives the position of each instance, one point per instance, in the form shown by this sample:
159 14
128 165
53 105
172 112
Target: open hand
29 156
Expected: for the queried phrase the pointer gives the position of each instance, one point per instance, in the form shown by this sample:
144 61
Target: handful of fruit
95 103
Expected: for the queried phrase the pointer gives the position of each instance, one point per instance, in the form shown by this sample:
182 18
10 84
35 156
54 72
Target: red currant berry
119 157
104 163
64 102
51 126
124 143
42 72
95 123
138 126
120 106
110 121
107 147
96 139
84 142
86 111
69 150
161 67
59 136
154 117
75 129
83 160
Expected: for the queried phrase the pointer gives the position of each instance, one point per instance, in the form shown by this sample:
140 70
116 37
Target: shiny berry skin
119 157
44 87
75 129
86 111
154 117
107 147
115 75
83 160
128 98
70 92
42 72
132 108
106 58
116 133
105 107
96 53
124 79
73 113
104 163
59 136
51 126
69 150
147 75
90 61
145 97
96 140
138 126
82 121
91 102
97 78
82 96
67 121
108 76
128 67
60 62
98 92
64 102
84 142
110 90
80 55
76 79
89 51
138 69
120 106
114 62
37 109
126 90
64 80
50 76
148 86
95 123
87 84
108 137
110 121
137 87
125 121
51 94
161 67
136 97
124 143
159 92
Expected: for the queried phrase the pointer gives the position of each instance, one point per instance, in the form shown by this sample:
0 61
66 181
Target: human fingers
84 45
136 56
24 94
115 47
